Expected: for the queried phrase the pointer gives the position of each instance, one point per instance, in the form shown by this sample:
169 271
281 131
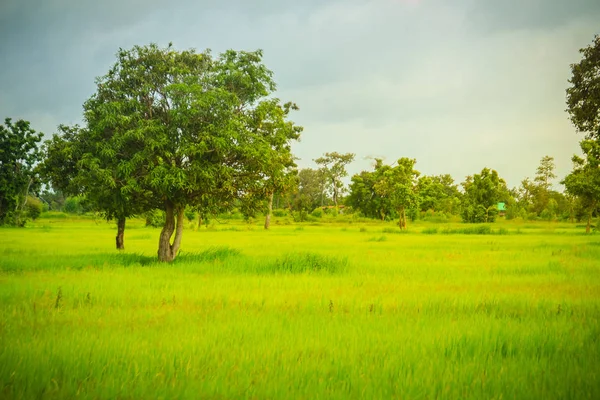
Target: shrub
280 213
33 207
430 231
317 212
155 218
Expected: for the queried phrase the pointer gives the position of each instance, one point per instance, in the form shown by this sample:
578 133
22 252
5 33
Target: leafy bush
33 207
155 218
280 213
317 212
190 214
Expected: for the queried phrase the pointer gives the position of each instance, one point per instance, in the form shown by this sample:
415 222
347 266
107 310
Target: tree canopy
178 129
19 153
584 180
583 96
333 166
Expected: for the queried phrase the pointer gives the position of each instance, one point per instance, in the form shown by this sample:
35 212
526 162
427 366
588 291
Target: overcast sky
459 85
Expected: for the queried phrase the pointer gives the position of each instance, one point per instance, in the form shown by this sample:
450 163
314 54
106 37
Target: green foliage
33 207
482 194
496 308
155 218
439 193
280 213
584 181
583 96
174 129
74 205
317 212
333 168
19 154
398 186
190 214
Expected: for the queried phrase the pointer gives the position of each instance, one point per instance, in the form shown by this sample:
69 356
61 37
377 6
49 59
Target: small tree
18 155
584 181
333 166
398 185
364 196
100 163
482 193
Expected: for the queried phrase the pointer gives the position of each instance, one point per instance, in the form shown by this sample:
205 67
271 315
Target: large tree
19 154
333 166
584 181
192 122
583 96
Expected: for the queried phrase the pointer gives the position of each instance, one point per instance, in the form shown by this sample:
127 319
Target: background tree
365 198
398 185
438 193
584 181
311 187
276 172
333 166
99 163
19 153
191 117
583 96
482 192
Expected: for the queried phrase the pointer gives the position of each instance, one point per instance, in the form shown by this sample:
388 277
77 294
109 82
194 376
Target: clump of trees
173 134
171 130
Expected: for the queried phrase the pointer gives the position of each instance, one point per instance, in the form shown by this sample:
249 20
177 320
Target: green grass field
337 311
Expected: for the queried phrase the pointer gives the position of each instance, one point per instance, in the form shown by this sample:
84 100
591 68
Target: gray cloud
457 85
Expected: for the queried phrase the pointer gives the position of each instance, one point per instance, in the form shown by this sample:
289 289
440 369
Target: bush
280 213
317 212
73 205
430 231
155 218
33 207
190 214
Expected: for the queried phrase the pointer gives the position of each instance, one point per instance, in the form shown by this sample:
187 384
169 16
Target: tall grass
312 313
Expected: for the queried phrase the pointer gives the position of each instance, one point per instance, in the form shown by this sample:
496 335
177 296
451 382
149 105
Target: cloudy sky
457 84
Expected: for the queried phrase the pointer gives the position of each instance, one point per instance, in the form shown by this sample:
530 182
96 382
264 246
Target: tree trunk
120 233
167 251
199 221
402 219
269 211
589 223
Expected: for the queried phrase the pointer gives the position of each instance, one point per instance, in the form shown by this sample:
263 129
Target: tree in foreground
333 167
482 192
19 154
583 96
188 122
584 181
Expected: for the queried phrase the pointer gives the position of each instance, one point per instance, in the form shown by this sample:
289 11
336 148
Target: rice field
305 311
